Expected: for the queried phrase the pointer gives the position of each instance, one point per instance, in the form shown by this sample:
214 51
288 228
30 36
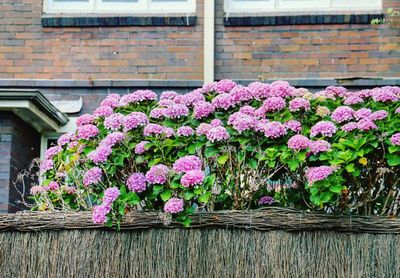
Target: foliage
391 18
226 146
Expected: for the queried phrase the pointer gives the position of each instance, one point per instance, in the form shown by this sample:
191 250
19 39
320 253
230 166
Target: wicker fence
265 243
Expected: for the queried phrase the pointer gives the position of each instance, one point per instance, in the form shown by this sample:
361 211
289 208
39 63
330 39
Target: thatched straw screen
266 243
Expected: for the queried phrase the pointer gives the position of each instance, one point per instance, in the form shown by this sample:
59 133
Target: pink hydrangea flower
46 165
208 87
353 99
349 126
395 139
110 195
185 131
217 133
314 174
193 177
203 129
69 189
241 93
53 186
324 128
298 104
223 101
103 111
266 200
248 110
140 147
216 122
168 95
319 146
379 115
173 205
136 182
274 104
293 125
187 163
274 130
202 109
134 120
342 114
362 113
192 98
52 151
65 139
241 122
157 113
99 214
112 139
281 88
87 131
224 86
92 176
299 142
100 154
337 91
158 174
85 119
366 124
137 96
37 189
168 132
397 111
176 111
114 121
384 95
260 90
153 129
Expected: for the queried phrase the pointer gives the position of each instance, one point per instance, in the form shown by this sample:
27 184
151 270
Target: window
119 6
301 6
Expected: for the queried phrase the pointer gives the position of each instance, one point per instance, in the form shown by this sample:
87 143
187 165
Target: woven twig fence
273 242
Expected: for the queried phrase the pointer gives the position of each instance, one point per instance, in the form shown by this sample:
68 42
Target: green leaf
337 188
166 195
350 168
189 195
210 152
198 190
223 159
205 197
209 181
157 189
154 161
133 199
393 160
393 149
326 196
174 185
253 163
293 164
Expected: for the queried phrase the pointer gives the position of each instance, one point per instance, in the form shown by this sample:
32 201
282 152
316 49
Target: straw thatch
223 245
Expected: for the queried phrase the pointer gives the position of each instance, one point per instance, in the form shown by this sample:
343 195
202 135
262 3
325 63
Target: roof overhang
34 108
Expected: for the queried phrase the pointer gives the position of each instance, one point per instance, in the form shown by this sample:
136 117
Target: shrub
226 146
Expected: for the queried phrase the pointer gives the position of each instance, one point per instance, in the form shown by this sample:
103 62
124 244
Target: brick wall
19 145
29 51
307 51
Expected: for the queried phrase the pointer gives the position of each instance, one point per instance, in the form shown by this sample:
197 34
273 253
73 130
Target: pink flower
158 174
103 111
193 177
100 154
298 104
153 129
110 195
216 122
136 182
223 101
185 131
266 200
319 146
176 111
337 91
379 115
114 121
46 165
85 119
134 120
65 139
324 128
137 96
168 95
218 133
260 90
349 126
52 151
224 86
99 215
397 111
69 189
342 114
241 93
353 99
173 205
203 129
92 176
140 147
274 130
192 98
293 125
110 102
362 113
320 173
112 139
168 132
202 109
208 87
395 139
241 121
366 124
36 189
248 110
299 142
274 104
187 163
384 95
157 113
281 88
87 131
53 186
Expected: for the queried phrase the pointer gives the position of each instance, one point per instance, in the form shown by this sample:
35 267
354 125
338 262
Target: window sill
273 20
112 21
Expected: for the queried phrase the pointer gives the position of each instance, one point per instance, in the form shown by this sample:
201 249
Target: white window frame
139 7
301 7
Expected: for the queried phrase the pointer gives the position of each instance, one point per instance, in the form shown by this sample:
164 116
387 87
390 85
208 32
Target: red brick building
81 50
